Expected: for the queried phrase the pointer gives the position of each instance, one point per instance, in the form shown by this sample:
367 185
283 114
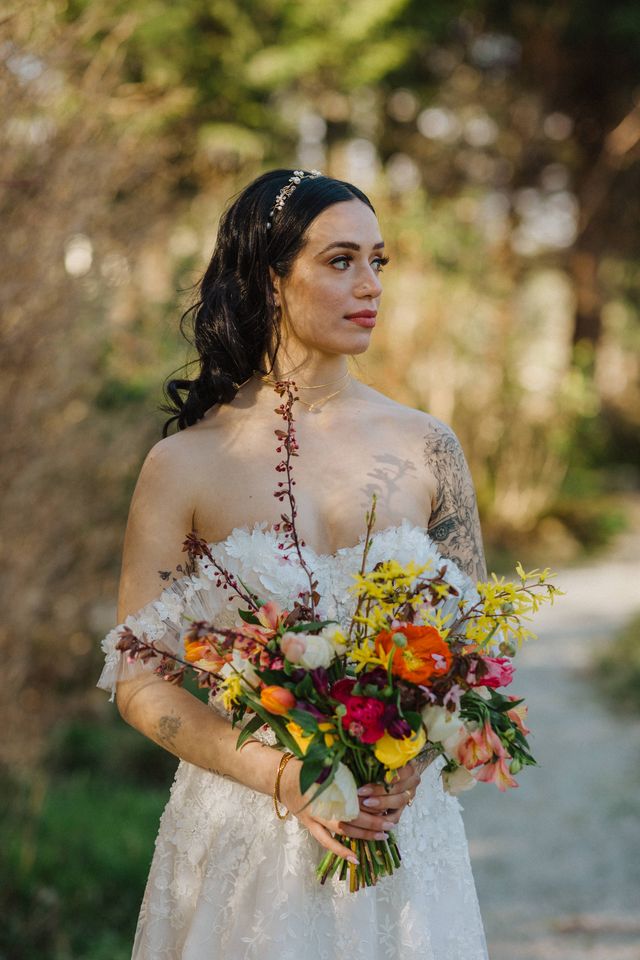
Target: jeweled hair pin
288 189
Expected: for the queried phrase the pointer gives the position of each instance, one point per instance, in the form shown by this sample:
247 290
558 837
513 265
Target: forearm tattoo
454 524
168 728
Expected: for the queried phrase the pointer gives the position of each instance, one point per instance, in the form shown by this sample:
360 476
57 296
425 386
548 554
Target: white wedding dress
229 881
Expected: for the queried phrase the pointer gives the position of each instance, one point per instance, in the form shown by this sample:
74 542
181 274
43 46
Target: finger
359 834
324 838
368 821
387 801
380 789
405 773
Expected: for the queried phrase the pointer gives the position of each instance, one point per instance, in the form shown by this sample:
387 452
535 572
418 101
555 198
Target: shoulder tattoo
454 524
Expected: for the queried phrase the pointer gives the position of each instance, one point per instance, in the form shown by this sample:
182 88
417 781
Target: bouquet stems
377 858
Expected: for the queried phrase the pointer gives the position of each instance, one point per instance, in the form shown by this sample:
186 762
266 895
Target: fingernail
382 836
387 825
353 860
364 791
371 802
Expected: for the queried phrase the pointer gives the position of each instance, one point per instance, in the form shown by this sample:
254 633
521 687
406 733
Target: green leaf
305 688
413 719
254 724
304 719
311 770
313 627
247 616
277 677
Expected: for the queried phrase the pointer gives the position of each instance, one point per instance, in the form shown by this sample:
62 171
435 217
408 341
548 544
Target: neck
311 369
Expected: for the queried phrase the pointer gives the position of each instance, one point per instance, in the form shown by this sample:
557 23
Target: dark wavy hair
235 322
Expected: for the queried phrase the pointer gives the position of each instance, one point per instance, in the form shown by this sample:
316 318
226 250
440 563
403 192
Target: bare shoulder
421 425
165 470
409 417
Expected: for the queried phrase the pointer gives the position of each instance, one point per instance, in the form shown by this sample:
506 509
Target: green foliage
109 750
77 841
616 670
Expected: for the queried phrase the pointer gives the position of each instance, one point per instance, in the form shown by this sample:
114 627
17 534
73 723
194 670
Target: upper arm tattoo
168 729
454 524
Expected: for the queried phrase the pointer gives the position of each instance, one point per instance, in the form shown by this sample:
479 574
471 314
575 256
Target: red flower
364 718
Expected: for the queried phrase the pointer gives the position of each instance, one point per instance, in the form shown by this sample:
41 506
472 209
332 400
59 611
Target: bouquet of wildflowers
417 672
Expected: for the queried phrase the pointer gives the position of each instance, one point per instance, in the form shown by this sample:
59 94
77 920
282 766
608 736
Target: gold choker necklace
315 404
302 386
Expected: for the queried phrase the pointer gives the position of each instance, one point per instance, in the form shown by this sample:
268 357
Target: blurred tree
500 143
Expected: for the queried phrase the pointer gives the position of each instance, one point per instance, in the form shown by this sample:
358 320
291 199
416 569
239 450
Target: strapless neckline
263 527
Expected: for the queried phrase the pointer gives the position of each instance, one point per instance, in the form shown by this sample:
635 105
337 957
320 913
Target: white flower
334 634
239 665
340 800
443 726
458 780
318 652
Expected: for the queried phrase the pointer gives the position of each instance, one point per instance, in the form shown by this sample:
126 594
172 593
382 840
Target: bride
292 290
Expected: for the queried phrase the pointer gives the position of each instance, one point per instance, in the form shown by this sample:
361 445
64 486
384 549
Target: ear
275 283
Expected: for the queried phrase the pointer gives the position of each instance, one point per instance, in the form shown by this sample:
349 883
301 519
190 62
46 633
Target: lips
364 318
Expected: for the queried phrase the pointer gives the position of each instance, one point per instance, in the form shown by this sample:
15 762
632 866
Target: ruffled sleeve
163 620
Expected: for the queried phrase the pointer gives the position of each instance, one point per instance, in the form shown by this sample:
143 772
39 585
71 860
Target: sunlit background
500 144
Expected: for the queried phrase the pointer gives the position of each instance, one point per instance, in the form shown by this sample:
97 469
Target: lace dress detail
229 881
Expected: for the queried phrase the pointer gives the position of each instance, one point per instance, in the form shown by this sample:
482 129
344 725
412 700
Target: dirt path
557 861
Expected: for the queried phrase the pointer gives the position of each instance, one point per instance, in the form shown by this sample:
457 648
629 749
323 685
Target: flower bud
277 700
515 766
399 639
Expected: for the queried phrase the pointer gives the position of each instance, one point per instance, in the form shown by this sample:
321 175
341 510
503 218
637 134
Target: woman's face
330 297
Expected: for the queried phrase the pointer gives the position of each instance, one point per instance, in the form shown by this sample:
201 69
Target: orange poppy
424 656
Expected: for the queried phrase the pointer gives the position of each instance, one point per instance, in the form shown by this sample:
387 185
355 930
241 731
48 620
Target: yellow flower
364 656
232 690
301 738
328 730
395 753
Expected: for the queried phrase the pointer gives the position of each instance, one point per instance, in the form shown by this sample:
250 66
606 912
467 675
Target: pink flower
271 616
498 773
480 747
518 715
364 718
293 646
498 673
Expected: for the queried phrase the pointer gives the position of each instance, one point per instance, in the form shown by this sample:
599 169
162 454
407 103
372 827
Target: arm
454 524
161 515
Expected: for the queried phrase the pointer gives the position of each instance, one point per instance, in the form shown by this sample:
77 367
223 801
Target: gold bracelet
284 760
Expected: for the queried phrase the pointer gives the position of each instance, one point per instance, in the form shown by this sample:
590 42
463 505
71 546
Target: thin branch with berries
287 439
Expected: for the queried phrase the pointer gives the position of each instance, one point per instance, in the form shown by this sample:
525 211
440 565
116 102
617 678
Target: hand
374 820
368 825
374 798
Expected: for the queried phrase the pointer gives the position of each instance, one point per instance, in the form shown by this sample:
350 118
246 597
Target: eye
342 261
380 263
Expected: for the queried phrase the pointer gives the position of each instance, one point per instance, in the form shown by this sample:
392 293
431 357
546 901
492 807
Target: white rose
458 780
336 637
318 652
443 726
340 800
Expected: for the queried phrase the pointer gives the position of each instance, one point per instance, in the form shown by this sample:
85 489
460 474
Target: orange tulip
425 654
277 700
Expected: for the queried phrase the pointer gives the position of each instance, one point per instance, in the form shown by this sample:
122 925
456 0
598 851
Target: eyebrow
349 245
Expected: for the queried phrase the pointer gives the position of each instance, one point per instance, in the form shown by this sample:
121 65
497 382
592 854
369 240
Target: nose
369 284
